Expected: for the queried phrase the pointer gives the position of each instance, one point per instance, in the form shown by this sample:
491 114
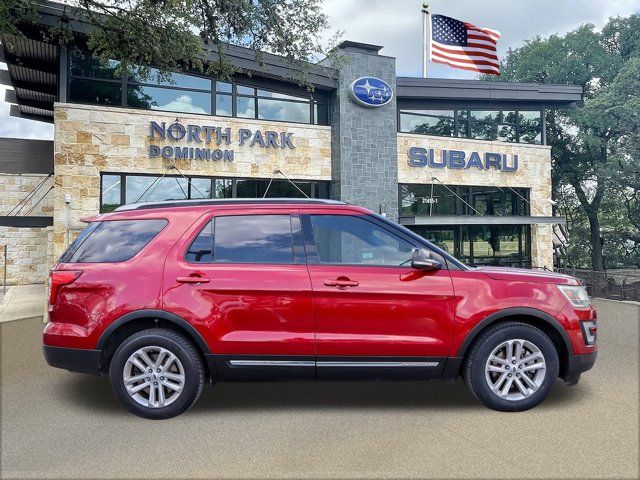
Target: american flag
463 45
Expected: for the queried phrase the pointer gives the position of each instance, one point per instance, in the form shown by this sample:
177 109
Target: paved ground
56 424
22 301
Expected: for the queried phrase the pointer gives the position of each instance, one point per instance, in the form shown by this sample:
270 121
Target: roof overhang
32 71
441 92
480 220
34 65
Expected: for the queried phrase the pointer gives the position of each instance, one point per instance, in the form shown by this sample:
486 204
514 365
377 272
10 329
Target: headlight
577 295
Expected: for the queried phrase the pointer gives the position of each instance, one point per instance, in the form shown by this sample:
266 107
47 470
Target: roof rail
225 201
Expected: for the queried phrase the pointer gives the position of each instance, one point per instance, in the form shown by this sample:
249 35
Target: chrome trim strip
272 363
378 364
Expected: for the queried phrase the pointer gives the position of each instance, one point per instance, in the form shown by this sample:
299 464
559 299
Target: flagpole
425 37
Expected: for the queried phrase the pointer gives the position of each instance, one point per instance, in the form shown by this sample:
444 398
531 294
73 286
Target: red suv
163 297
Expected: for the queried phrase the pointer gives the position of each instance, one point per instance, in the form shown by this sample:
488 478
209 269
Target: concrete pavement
22 301
56 424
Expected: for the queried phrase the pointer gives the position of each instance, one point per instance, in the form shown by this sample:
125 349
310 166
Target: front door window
351 240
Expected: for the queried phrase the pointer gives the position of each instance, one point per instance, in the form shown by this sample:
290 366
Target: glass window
428 122
286 111
83 64
253 239
200 188
530 127
322 190
420 200
116 241
506 133
242 90
170 79
443 239
284 189
484 125
224 87
153 189
321 113
223 188
245 107
344 239
282 96
157 98
246 188
111 189
95 92
201 250
223 105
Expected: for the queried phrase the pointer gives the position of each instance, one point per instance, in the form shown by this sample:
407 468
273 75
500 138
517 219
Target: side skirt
277 367
379 368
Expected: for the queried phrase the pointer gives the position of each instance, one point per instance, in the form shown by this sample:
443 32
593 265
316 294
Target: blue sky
397 25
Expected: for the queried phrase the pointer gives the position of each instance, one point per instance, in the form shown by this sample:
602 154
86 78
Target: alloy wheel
154 377
515 369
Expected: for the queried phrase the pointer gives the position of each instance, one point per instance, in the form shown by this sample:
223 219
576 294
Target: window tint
201 250
253 239
95 91
113 241
354 240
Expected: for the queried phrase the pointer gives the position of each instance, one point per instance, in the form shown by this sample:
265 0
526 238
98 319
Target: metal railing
612 284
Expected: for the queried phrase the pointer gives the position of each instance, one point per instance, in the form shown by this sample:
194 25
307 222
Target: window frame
126 82
71 253
521 206
313 258
316 185
297 243
463 126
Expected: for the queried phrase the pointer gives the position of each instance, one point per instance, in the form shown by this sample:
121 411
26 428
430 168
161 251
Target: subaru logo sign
371 92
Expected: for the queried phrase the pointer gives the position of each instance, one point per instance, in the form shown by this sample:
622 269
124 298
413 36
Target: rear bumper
73 359
578 364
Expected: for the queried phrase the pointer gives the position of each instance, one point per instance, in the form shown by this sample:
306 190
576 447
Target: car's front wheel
511 367
157 373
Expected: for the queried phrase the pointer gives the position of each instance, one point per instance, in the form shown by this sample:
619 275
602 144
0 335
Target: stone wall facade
29 250
534 173
364 139
89 140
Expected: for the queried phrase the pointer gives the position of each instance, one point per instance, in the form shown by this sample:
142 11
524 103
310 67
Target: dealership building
463 163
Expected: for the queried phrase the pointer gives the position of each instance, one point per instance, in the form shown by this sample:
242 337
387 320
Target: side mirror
423 259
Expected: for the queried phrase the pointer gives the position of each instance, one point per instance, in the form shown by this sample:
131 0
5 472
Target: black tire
476 361
186 353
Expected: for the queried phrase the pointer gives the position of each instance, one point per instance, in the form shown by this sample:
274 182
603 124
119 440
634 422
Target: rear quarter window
112 241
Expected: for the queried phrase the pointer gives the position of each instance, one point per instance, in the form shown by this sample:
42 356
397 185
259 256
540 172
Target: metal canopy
32 72
469 93
480 220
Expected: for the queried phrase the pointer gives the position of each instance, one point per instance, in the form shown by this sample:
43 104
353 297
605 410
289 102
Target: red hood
525 275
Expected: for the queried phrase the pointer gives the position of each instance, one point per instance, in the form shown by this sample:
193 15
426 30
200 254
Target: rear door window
244 239
112 241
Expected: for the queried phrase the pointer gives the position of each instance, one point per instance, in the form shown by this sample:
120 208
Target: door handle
341 283
193 279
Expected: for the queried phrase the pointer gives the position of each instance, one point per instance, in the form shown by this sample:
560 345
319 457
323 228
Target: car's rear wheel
511 367
157 373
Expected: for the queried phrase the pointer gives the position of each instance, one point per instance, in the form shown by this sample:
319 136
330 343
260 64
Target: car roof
227 201
181 207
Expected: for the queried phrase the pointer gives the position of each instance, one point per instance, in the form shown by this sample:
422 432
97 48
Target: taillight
60 278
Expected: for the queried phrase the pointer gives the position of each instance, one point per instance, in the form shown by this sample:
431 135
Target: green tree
174 35
593 145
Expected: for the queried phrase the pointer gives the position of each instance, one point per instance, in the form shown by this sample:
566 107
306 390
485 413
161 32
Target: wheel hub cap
515 369
154 377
